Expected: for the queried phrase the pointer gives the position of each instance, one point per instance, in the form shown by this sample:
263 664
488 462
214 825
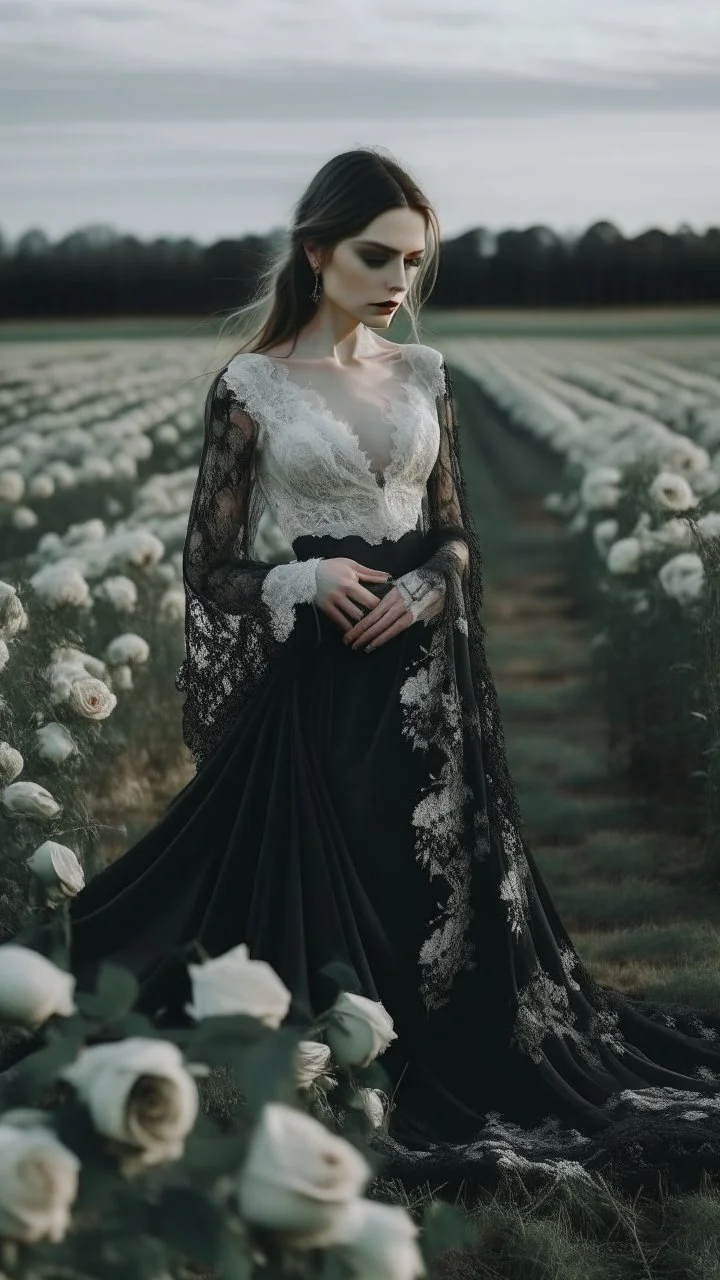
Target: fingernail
368 648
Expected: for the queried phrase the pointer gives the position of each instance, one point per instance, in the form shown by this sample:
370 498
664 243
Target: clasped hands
340 594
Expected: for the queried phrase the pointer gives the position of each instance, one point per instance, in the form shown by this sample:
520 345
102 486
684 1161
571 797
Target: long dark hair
347 193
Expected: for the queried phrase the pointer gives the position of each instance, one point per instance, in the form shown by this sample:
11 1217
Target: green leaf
190 1224
117 990
344 975
445 1227
40 1069
266 1073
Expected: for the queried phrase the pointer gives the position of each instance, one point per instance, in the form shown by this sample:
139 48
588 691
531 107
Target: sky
207 118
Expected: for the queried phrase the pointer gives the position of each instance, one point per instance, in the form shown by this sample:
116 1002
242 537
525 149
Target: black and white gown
358 806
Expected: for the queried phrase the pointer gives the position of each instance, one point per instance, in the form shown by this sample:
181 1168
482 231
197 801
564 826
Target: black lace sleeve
450 518
239 610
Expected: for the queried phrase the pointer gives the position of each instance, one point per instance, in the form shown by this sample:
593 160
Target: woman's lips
384 306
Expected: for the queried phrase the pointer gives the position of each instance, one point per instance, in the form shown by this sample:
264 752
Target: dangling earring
315 295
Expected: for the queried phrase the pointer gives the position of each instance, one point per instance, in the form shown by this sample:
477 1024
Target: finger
333 612
363 595
379 625
402 624
364 571
369 619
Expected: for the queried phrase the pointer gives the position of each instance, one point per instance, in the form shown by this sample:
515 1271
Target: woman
352 799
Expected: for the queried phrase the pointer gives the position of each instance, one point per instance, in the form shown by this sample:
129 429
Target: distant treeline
97 272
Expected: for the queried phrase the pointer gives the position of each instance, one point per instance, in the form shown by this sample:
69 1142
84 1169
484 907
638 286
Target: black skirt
296 838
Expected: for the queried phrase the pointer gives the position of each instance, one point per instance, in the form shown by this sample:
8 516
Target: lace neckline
392 415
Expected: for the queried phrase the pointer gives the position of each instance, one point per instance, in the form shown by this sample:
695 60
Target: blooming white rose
604 534
29 800
233 983
58 868
312 1060
41 486
61 584
138 1091
11 763
138 547
4 655
120 591
38 1183
672 491
91 698
13 617
358 1030
600 488
298 1178
374 1103
674 535
32 988
709 524
94 530
89 664
624 556
122 677
12 487
379 1242
171 607
127 648
54 742
683 577
24 518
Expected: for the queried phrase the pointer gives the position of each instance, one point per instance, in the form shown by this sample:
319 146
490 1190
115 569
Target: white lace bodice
331 463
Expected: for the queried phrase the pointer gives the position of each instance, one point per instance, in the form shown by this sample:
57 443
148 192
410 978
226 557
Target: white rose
373 1102
600 488
12 487
122 677
624 556
94 530
672 491
32 988
11 763
138 547
61 584
312 1060
709 524
172 605
127 648
58 868
38 1183
379 1242
91 699
140 1092
120 591
4 655
24 518
298 1177
13 617
41 486
675 535
358 1030
54 743
29 800
604 534
233 983
683 577
90 665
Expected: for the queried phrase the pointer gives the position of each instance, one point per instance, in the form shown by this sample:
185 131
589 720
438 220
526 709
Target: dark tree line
95 271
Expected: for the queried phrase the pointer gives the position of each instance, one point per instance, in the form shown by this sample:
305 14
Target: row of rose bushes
78 433
637 441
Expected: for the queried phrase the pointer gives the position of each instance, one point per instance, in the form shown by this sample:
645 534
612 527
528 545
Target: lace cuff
285 586
424 589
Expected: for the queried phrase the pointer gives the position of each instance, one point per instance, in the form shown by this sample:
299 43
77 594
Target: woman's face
376 265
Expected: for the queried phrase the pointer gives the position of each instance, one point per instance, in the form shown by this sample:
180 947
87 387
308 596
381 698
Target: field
591 447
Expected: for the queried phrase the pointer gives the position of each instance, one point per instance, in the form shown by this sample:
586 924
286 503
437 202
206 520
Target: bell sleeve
424 589
240 611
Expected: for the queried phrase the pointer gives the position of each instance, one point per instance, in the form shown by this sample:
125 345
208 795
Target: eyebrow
377 244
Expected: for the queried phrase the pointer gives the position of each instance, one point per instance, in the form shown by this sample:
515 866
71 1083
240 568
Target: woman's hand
339 592
416 595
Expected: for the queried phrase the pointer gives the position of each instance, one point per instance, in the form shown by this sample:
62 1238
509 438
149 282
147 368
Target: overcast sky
208 117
